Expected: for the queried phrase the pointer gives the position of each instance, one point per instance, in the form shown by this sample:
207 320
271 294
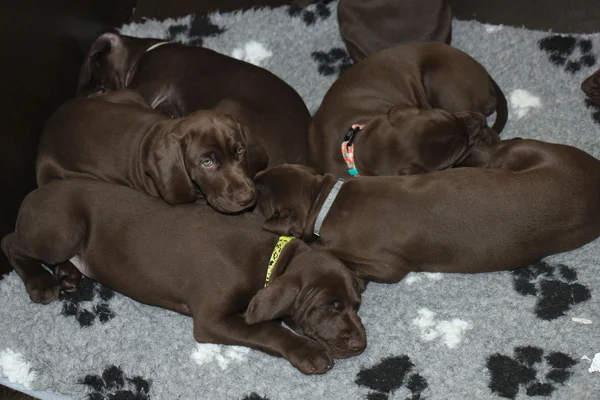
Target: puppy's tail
501 108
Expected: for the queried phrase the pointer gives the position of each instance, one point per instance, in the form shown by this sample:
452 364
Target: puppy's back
86 133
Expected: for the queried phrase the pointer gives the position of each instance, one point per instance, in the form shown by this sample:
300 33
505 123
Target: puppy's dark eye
208 163
335 305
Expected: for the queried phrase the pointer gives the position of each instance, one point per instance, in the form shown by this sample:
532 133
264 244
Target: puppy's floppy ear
105 66
284 223
273 302
256 156
473 122
166 167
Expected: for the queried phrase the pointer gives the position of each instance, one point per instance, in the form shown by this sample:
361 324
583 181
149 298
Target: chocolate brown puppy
194 261
417 108
536 199
591 87
118 138
368 27
178 80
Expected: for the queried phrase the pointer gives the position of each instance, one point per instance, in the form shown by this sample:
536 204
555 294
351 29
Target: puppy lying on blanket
116 137
178 80
540 199
409 109
194 261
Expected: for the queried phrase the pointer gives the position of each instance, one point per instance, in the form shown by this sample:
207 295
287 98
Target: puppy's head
211 155
285 196
411 140
318 297
111 63
591 87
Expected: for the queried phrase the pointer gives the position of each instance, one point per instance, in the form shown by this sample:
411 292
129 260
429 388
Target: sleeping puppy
178 80
408 109
460 220
236 280
116 137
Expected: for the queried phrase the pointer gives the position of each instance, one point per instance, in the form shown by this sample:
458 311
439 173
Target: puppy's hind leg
41 285
46 233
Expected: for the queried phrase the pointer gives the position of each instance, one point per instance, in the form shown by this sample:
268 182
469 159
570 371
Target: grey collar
327 205
155 45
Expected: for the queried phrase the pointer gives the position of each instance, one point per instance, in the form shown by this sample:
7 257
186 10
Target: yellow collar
281 243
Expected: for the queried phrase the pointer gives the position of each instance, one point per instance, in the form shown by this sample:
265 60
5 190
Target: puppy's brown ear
256 156
105 66
273 302
284 223
473 122
166 167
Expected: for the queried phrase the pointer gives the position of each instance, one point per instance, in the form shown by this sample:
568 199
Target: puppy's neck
318 200
289 252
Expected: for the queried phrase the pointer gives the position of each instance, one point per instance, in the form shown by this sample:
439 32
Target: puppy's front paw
42 288
311 358
68 277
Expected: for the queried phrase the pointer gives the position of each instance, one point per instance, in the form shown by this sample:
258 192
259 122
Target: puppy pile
203 186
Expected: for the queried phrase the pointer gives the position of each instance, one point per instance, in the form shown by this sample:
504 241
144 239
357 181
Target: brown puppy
420 105
368 27
539 199
178 80
591 87
194 261
116 137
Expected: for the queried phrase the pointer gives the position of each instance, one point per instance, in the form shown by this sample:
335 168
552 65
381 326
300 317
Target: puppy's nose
357 344
244 198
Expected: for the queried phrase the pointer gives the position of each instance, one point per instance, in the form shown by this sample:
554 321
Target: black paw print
595 110
254 396
200 28
389 375
554 286
525 369
114 385
561 48
321 11
334 61
86 292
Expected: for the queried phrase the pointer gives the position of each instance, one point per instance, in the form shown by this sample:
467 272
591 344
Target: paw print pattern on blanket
568 52
311 13
90 301
389 375
254 396
539 375
554 285
113 385
333 61
595 110
200 28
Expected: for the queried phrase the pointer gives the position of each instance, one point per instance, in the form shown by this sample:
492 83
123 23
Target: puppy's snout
243 198
357 342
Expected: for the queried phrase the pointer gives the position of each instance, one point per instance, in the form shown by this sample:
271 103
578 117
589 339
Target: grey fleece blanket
528 333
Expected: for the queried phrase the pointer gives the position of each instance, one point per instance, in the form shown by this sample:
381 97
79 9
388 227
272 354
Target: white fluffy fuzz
223 355
450 332
14 367
523 102
252 52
